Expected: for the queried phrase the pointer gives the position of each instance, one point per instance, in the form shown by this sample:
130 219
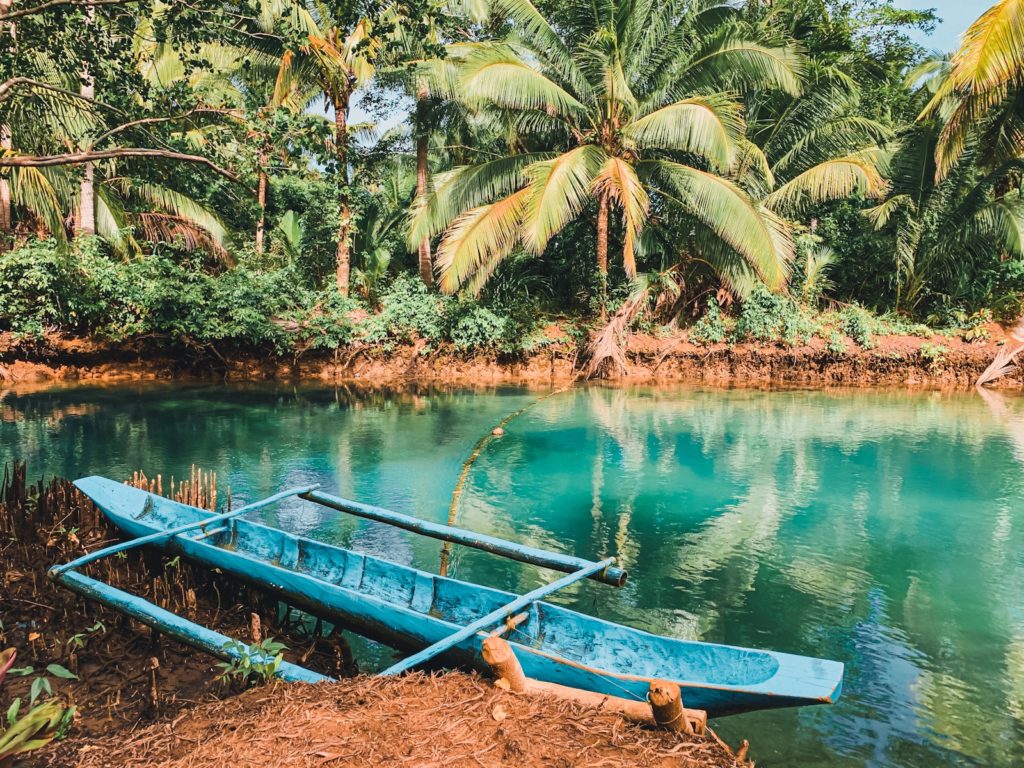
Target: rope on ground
467 465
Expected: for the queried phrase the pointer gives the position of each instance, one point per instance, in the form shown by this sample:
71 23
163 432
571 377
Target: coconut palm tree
338 56
800 150
956 173
630 107
943 229
415 49
814 147
980 96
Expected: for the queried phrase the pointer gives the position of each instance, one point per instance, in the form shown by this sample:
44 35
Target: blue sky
956 15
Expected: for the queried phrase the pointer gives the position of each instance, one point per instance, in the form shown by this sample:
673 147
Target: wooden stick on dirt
667 706
255 628
503 663
635 711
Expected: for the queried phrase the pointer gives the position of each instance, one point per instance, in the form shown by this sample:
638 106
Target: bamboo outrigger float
439 618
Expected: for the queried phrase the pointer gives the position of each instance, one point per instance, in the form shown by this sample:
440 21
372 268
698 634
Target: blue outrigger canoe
440 617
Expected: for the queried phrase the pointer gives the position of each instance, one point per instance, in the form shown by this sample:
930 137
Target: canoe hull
321 579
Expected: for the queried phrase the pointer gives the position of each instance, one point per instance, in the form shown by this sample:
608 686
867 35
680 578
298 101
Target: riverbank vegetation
282 176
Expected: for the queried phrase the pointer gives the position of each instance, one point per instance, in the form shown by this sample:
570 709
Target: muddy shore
908 361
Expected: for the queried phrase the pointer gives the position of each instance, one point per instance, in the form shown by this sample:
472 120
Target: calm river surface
883 530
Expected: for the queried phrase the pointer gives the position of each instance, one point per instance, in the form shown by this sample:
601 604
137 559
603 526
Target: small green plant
814 267
933 354
856 323
975 327
471 326
251 664
44 722
762 317
710 328
767 316
835 344
78 641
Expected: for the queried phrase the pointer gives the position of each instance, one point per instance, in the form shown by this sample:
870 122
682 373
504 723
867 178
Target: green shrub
325 321
767 316
710 328
835 344
39 287
897 324
860 326
974 326
933 354
470 326
408 311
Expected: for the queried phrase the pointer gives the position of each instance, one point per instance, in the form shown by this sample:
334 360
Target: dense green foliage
170 173
170 302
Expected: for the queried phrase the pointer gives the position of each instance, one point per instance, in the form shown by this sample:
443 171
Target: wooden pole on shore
503 663
659 712
667 706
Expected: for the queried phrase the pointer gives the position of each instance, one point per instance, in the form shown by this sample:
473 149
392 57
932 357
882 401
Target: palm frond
183 207
747 66
495 75
992 49
830 180
963 122
730 214
1003 222
167 228
532 26
112 223
557 192
46 193
881 214
463 188
708 126
479 239
752 169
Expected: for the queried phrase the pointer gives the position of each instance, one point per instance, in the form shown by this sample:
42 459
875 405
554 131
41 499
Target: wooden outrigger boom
188 632
161 536
494 617
556 561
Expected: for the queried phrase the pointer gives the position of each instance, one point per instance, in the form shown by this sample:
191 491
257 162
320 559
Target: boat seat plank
423 593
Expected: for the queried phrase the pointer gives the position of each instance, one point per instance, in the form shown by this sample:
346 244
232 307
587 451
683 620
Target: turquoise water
884 530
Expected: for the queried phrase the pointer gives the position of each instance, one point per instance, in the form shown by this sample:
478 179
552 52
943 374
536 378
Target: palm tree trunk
261 198
86 223
86 220
344 259
603 206
6 223
422 172
5 144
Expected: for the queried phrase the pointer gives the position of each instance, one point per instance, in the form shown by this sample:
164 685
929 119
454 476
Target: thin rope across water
467 466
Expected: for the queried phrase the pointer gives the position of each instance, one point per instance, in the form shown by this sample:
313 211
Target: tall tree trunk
86 223
422 176
344 209
5 185
86 220
6 222
603 205
261 197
